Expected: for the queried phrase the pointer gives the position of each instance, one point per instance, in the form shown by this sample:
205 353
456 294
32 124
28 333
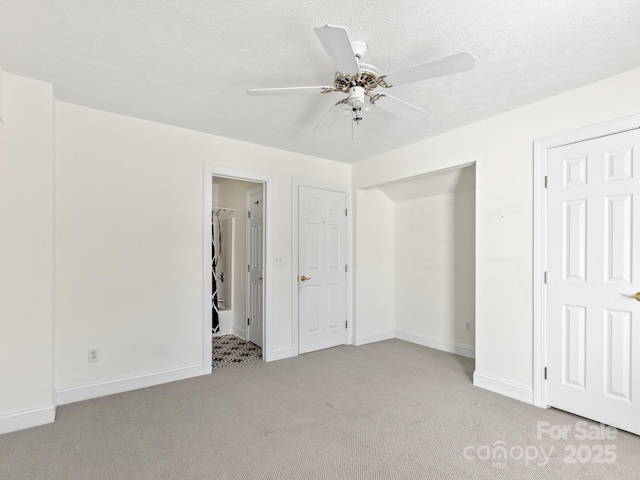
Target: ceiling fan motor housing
366 78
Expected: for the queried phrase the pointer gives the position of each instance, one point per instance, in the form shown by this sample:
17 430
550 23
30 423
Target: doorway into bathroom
237 270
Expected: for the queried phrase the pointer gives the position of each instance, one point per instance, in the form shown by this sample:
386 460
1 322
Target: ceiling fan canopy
359 80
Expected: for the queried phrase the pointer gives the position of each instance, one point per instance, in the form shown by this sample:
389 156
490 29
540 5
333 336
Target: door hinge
345 269
248 214
546 277
345 324
545 373
248 268
546 181
249 323
345 212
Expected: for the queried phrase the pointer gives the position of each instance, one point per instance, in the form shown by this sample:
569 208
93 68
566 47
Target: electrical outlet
278 261
93 355
467 327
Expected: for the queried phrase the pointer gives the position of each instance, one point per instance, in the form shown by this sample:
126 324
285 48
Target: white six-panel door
593 327
321 269
255 263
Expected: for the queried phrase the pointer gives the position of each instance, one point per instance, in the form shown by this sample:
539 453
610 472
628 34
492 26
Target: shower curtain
216 253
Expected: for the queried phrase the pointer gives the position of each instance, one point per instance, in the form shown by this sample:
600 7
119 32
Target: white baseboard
425 341
27 419
240 333
278 354
85 392
373 337
222 332
503 387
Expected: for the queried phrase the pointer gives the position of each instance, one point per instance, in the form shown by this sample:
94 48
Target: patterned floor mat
229 349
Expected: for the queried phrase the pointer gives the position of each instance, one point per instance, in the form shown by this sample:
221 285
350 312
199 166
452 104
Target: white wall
502 146
375 267
1 95
26 251
435 271
129 238
416 261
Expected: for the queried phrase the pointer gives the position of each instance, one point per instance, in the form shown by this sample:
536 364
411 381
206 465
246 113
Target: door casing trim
541 149
208 172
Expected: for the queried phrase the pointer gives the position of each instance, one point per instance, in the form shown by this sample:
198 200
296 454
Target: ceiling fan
360 80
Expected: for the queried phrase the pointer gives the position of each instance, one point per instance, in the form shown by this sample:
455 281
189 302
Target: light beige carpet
389 410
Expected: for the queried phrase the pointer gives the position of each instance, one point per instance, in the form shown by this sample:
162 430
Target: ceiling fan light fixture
357 80
356 97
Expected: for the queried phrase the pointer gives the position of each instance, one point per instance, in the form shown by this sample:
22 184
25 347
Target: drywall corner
26 253
503 387
27 419
374 266
1 96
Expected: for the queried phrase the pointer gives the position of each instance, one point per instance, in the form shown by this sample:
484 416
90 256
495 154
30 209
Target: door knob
304 279
636 296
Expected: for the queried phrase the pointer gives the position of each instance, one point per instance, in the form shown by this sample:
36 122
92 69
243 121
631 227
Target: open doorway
237 270
434 262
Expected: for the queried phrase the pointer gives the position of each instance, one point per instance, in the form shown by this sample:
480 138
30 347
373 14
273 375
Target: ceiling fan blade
335 41
334 113
398 107
445 66
288 90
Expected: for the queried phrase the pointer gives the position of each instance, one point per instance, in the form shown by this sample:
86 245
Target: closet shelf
222 211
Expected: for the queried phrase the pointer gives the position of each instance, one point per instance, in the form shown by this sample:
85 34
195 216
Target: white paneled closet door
593 325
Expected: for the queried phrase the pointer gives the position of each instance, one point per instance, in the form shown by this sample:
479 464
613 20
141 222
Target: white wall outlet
93 355
278 261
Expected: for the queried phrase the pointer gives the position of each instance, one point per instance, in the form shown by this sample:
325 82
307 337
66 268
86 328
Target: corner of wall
1 96
373 337
437 343
503 387
27 419
26 279
374 267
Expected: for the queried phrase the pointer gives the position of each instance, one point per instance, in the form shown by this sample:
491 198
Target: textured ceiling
189 62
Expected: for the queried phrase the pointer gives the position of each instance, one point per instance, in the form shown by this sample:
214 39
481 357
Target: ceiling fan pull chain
353 119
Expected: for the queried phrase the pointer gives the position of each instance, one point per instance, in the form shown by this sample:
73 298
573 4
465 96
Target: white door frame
540 158
296 183
208 172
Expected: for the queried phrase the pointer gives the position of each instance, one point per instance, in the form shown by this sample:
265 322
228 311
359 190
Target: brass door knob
636 296
304 279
